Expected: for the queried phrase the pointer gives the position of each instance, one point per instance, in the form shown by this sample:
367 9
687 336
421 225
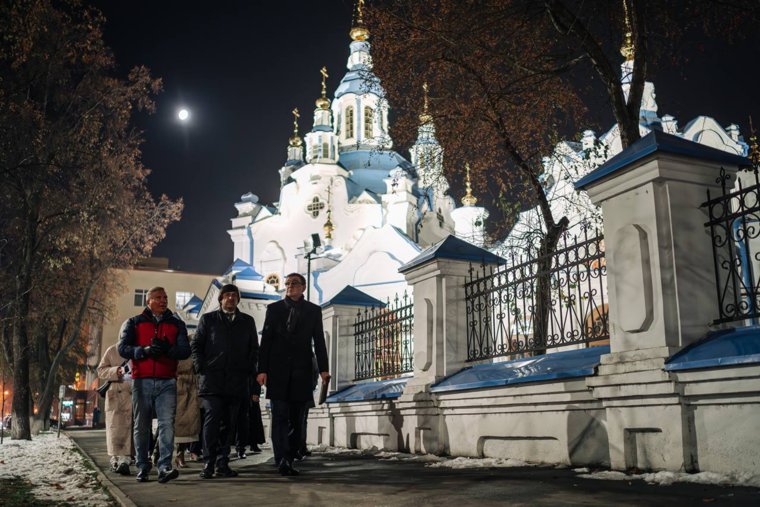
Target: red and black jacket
138 332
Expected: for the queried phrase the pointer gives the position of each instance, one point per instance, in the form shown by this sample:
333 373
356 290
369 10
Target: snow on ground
54 467
662 478
667 478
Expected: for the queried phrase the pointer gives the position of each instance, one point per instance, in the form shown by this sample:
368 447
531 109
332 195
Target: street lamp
315 243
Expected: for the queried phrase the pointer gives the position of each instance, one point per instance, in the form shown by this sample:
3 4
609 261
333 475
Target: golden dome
295 141
359 33
627 49
468 199
323 103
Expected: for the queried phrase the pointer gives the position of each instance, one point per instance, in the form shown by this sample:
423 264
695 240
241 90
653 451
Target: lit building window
182 299
273 279
141 297
315 206
349 122
325 150
369 117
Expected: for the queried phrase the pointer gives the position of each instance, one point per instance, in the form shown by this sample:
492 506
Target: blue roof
452 247
260 295
238 265
193 305
557 365
382 389
352 296
658 141
727 347
248 274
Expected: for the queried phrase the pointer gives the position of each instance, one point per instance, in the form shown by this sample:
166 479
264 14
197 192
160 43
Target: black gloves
160 347
157 348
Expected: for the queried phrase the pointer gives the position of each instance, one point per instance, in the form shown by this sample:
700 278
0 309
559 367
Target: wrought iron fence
734 224
384 340
501 301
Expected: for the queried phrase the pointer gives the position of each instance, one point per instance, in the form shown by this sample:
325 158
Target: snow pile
667 478
54 467
463 462
377 453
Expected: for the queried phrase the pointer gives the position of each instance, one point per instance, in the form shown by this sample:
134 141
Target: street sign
62 391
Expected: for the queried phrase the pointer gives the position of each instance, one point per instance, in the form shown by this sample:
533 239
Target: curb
117 494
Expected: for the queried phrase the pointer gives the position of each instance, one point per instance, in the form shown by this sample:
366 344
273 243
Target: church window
141 297
273 279
315 206
369 117
182 298
325 150
349 122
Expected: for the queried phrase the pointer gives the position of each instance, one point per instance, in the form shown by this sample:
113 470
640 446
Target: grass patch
17 492
90 466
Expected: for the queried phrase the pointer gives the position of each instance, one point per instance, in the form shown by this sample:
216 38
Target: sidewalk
334 480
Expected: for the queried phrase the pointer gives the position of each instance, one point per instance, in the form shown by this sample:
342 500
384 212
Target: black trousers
219 423
287 421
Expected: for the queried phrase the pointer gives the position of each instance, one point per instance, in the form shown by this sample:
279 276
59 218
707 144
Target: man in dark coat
292 329
225 349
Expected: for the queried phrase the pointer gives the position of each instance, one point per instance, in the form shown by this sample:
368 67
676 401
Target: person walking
187 424
118 409
225 350
292 329
155 341
250 430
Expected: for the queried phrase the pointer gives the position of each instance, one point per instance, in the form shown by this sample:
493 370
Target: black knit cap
228 288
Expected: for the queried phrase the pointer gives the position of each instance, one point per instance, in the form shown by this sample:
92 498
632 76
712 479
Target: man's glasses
288 284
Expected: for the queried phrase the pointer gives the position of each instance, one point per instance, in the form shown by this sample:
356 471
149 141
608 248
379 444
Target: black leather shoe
165 476
207 472
226 471
286 469
142 475
122 469
241 455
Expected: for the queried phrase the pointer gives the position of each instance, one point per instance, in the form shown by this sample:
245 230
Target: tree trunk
543 297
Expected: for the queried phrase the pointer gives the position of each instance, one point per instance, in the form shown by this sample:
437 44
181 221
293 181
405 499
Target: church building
351 209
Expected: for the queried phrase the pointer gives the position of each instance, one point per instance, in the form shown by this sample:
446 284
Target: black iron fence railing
734 224
501 301
384 340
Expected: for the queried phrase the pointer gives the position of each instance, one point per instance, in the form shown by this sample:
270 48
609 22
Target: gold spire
468 199
627 49
323 102
329 227
359 31
295 139
754 149
425 116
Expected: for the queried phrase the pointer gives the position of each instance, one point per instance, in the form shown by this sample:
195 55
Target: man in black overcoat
292 329
225 350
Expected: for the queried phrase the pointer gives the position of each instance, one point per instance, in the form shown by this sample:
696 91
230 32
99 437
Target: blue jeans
149 396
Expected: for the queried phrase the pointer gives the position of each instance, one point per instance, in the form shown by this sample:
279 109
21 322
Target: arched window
369 117
325 150
273 279
349 122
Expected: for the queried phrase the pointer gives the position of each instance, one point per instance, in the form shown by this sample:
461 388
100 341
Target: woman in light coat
187 422
118 409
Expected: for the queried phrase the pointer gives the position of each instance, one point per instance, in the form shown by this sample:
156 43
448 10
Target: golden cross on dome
323 71
359 13
468 199
295 119
628 49
425 90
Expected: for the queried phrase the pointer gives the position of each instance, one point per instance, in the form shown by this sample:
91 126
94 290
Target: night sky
241 66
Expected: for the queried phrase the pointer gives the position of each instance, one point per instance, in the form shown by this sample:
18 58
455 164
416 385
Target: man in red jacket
154 340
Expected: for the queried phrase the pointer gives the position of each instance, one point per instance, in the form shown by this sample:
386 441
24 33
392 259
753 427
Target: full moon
183 114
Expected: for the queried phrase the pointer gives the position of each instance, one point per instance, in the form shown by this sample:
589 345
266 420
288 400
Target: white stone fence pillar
437 276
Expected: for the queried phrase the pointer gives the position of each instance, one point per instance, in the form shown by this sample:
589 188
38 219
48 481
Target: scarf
294 308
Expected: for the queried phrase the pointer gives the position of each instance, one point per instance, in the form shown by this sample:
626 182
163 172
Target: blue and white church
351 209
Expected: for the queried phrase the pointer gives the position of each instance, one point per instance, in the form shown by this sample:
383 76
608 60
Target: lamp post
315 243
